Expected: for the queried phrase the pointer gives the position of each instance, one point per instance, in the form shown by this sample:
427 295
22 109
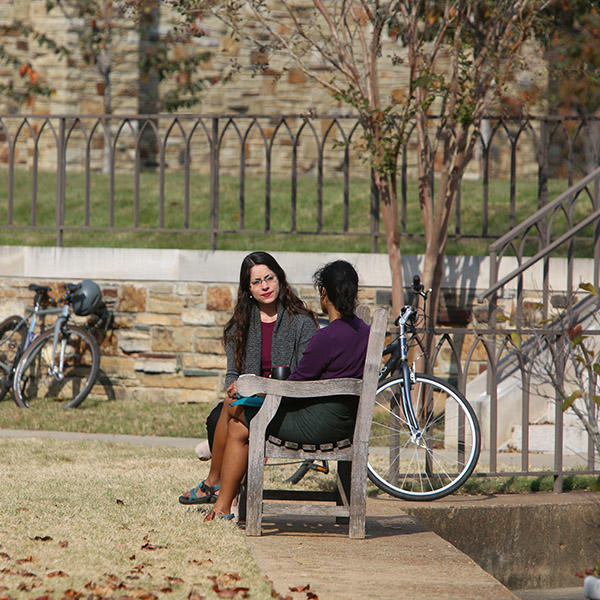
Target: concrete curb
115 438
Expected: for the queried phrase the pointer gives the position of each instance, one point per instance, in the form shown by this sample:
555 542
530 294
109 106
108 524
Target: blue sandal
193 498
213 516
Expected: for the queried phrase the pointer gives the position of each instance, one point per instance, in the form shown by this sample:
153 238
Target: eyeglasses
268 279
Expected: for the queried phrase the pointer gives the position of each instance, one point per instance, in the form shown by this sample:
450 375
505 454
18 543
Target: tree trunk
389 212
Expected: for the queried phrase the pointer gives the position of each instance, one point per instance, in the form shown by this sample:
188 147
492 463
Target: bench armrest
249 385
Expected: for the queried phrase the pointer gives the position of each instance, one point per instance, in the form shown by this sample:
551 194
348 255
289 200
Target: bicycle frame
37 312
407 376
57 371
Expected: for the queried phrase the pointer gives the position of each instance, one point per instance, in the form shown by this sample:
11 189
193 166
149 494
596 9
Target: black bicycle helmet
86 298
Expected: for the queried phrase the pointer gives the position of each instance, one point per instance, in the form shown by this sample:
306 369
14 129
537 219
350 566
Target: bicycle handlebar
417 288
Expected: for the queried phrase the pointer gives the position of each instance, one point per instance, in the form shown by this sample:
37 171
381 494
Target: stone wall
165 342
280 89
171 305
169 311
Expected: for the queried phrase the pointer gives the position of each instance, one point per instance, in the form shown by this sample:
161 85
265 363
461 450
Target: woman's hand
232 390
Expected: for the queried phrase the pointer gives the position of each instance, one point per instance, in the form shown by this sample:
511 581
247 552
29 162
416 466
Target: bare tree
460 56
563 363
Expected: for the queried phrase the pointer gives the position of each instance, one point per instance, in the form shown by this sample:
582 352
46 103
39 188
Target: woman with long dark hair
270 326
336 351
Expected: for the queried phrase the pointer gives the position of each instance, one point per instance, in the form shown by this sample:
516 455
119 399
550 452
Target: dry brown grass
103 521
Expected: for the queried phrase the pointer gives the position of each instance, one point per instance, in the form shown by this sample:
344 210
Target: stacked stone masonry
255 89
165 344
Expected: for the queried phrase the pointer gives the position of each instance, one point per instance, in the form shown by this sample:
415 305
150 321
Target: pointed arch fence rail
191 154
202 167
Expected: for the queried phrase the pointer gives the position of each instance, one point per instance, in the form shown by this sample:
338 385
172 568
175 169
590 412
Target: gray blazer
290 337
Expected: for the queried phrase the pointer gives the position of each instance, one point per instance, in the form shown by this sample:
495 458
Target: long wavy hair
239 323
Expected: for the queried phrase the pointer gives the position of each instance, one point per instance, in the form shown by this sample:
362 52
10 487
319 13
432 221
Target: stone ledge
526 541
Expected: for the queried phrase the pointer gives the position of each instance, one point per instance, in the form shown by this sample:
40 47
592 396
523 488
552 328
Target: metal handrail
542 212
536 218
542 254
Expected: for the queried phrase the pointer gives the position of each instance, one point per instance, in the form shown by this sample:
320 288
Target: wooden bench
350 496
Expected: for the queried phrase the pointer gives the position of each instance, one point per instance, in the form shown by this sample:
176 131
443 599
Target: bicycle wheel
12 339
35 379
436 462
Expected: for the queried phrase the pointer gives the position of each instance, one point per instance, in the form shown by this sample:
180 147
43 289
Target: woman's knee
238 431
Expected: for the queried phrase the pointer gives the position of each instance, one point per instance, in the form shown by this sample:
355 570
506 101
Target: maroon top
266 346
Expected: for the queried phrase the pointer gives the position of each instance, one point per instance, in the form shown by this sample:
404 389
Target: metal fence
540 340
293 174
220 175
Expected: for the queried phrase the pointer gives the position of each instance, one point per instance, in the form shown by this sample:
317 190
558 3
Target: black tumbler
280 372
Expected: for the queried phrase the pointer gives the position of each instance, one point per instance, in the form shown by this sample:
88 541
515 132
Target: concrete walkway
399 558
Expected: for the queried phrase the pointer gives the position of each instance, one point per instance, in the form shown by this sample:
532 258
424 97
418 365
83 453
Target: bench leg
344 473
254 487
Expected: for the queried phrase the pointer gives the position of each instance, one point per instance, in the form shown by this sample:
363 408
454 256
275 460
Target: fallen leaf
103 591
166 590
4 555
311 596
63 544
71 593
228 592
20 561
119 501
125 586
26 574
200 562
193 595
41 538
56 574
300 588
44 597
149 546
172 579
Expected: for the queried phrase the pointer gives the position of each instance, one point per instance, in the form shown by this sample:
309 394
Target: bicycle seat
38 289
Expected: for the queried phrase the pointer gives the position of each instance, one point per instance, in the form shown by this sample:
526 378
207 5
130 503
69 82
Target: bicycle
425 438
60 364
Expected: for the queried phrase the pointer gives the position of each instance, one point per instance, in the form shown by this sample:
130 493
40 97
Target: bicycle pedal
321 468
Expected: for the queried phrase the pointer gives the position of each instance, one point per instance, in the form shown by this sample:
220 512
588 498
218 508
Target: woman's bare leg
214 475
235 462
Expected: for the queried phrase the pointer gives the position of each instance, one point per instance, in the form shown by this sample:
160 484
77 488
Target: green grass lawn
115 416
230 212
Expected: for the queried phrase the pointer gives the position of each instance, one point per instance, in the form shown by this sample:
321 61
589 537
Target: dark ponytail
340 280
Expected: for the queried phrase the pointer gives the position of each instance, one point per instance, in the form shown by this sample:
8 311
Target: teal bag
248 401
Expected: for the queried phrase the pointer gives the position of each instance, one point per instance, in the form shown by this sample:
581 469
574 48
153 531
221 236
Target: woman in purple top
336 351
